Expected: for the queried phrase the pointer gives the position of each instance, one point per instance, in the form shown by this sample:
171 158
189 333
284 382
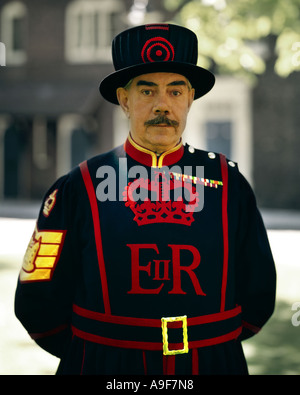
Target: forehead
160 79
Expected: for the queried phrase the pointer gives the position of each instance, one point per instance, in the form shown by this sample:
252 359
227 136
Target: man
140 263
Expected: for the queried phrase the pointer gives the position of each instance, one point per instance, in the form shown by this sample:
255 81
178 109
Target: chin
164 139
163 144
164 133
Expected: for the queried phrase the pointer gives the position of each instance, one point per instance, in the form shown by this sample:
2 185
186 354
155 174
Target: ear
122 95
191 97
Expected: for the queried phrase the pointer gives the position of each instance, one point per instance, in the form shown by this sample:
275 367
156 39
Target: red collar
149 158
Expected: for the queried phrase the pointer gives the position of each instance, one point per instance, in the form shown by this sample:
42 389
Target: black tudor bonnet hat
155 48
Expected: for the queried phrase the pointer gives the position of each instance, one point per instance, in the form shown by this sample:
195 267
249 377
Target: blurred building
52 116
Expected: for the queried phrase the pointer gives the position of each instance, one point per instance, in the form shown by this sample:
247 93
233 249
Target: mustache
161 119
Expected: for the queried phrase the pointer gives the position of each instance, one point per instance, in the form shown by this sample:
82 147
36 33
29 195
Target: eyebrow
177 83
149 83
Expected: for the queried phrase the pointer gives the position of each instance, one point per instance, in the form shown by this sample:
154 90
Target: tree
234 34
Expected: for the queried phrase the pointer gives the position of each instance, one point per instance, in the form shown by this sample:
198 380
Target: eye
146 92
176 93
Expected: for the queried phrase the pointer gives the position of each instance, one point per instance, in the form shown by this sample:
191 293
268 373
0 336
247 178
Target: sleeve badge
49 203
42 255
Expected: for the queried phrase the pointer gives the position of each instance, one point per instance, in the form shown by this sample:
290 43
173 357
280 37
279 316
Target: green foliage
233 34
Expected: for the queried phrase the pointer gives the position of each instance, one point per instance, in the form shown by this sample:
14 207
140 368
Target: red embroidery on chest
160 208
162 268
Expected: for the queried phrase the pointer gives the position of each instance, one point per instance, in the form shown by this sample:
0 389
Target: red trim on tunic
152 346
36 336
169 365
97 230
83 358
155 322
251 327
145 363
149 158
195 361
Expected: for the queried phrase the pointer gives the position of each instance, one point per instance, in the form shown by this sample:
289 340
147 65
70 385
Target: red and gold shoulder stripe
42 255
197 180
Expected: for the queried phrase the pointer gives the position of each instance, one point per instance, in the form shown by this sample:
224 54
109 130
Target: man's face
157 106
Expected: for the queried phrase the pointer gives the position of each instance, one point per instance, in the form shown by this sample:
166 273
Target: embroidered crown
161 208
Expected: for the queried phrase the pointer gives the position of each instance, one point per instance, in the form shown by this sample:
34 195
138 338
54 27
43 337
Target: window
80 146
219 136
90 28
221 122
13 32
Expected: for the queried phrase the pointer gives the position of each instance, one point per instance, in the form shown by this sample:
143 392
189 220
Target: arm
44 294
256 275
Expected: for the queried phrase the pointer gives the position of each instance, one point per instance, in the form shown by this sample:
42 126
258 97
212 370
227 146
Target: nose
161 106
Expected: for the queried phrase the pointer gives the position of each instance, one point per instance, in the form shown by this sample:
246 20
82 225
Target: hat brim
201 79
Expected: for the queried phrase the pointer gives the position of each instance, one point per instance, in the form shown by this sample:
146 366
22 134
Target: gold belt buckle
164 326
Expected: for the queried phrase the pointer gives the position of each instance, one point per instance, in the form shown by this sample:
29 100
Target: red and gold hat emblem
157 49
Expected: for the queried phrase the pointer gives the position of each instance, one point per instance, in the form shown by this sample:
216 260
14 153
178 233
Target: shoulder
209 158
106 158
109 158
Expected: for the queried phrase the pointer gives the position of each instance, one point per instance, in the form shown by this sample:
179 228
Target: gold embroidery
49 203
41 255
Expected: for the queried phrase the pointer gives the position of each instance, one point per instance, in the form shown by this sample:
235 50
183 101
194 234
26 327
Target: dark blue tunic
127 239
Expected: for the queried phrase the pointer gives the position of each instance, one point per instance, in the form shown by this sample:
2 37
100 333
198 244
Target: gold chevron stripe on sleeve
42 255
